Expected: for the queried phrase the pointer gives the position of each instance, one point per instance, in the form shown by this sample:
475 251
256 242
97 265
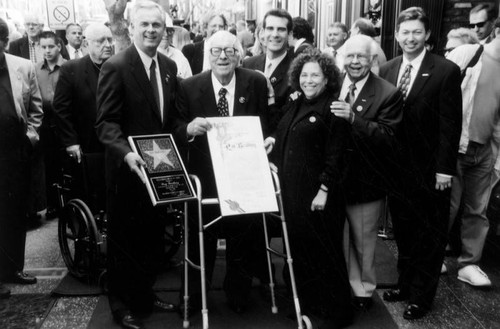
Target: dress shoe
127 320
362 303
414 311
395 295
163 306
20 278
4 291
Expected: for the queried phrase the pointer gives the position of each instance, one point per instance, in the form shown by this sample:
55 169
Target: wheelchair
82 226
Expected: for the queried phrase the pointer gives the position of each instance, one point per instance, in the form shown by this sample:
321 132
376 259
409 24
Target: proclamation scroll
241 168
166 177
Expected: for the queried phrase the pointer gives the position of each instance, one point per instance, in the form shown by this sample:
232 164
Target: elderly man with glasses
225 90
29 46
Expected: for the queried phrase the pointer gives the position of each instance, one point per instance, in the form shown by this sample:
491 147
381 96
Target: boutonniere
167 78
295 95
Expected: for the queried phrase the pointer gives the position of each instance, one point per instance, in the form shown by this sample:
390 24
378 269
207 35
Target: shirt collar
347 82
230 87
298 43
146 59
416 62
60 61
275 61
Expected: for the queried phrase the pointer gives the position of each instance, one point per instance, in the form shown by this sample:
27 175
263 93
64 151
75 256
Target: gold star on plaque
159 155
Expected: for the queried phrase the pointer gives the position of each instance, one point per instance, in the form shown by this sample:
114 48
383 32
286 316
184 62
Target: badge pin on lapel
312 119
359 108
425 74
242 100
273 79
167 78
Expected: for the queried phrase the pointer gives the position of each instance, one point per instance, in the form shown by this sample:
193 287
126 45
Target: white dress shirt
345 87
415 67
272 63
230 87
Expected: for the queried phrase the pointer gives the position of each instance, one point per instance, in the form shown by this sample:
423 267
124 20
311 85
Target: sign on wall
60 13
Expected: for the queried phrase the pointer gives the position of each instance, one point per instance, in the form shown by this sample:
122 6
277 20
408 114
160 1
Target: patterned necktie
154 85
32 48
77 54
222 105
350 95
404 83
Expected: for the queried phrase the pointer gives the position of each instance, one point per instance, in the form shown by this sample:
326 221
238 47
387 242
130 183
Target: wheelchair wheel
78 238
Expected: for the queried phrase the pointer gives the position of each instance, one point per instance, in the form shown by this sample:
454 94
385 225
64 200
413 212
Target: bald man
75 95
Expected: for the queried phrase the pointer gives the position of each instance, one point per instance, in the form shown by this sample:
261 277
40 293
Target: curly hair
326 63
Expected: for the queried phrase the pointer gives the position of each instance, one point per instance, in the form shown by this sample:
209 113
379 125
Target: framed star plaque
167 180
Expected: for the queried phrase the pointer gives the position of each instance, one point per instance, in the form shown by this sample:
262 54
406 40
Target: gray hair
146 4
372 46
236 43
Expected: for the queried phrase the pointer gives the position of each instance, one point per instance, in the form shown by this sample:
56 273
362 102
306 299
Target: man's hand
442 182
342 110
198 126
134 161
269 144
74 152
319 201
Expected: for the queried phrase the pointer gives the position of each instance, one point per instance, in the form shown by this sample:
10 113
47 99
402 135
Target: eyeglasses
229 51
32 24
479 25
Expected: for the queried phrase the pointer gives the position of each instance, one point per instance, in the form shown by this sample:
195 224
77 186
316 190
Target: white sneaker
444 269
474 276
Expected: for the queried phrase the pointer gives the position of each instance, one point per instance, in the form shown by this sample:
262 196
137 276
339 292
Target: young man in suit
74 35
245 93
373 108
429 135
20 119
277 59
135 96
195 52
302 36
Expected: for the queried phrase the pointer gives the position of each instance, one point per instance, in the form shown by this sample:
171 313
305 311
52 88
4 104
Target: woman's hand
319 200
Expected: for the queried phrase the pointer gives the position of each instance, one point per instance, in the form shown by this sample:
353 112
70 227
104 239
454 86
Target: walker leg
274 308
185 323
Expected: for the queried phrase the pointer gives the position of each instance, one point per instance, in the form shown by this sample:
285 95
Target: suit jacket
305 45
126 105
378 113
194 54
432 120
26 95
74 104
196 98
279 81
21 48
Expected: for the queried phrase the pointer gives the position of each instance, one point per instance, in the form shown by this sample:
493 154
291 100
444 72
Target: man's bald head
99 41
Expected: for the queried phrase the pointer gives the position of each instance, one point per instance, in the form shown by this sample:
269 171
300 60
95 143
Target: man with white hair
135 96
373 108
74 99
29 46
225 90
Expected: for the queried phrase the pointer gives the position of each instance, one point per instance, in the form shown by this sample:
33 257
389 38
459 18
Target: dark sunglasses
479 25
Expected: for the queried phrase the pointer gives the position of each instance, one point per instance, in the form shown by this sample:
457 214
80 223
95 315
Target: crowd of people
348 132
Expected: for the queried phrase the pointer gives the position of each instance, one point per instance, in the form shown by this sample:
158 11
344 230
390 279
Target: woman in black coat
309 153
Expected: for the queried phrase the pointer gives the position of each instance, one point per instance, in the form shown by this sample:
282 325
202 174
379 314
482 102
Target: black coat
74 104
194 54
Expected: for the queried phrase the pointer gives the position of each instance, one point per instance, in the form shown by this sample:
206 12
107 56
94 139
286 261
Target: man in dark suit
429 136
75 96
302 36
195 52
244 93
277 59
29 46
373 108
135 96
20 119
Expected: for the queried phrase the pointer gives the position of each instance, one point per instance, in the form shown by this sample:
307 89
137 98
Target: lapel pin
363 100
359 108
312 119
242 100
167 78
273 80
425 74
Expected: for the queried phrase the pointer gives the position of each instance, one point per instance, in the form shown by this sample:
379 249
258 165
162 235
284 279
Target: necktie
404 83
77 54
32 49
222 105
268 71
350 95
154 85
